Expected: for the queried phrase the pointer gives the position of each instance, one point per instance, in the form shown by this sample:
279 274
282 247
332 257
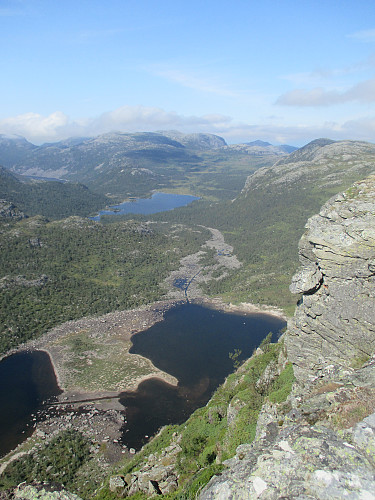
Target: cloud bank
58 126
38 128
367 36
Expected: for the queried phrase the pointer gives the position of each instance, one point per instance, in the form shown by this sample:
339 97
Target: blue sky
280 71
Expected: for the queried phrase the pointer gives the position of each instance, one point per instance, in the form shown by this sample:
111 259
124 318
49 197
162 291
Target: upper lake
159 202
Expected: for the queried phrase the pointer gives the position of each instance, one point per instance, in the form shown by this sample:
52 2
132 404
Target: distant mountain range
121 165
261 148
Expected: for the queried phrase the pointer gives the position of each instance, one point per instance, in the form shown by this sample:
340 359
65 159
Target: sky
284 71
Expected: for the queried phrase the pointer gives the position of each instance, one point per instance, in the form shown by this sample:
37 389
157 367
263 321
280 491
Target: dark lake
159 202
192 343
26 380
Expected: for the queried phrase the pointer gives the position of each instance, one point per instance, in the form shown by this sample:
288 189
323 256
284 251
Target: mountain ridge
134 164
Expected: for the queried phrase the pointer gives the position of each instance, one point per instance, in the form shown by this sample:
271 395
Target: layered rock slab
334 322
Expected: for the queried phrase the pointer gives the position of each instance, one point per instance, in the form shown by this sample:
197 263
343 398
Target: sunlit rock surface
320 444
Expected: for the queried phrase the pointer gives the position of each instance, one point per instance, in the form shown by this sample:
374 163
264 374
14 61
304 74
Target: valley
133 309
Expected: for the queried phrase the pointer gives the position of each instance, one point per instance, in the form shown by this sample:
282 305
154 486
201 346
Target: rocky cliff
321 444
335 321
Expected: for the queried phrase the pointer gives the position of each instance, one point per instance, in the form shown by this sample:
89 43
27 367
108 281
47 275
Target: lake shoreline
107 413
151 314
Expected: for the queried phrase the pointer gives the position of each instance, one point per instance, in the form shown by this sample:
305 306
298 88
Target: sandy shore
91 356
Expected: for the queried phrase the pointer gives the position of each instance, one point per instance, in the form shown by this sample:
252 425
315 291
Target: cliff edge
320 443
335 321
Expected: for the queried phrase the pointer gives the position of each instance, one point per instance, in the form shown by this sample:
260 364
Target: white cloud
57 126
35 126
367 36
38 128
363 92
94 35
10 12
315 97
202 84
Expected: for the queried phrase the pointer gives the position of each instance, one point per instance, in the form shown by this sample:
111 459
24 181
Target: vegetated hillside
265 223
135 164
266 434
51 272
52 199
13 149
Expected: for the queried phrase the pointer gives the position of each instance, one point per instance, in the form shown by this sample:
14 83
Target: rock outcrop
9 210
157 475
301 462
320 444
42 492
335 321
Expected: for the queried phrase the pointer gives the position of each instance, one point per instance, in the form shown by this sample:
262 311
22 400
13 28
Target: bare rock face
335 320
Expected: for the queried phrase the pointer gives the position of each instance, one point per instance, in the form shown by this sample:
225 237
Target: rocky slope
321 445
325 162
200 142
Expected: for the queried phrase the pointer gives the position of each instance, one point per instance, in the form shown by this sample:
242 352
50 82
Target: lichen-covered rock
157 475
335 321
296 461
117 484
42 492
364 435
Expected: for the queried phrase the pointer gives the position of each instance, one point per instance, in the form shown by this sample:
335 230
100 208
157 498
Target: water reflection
26 380
193 344
159 202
